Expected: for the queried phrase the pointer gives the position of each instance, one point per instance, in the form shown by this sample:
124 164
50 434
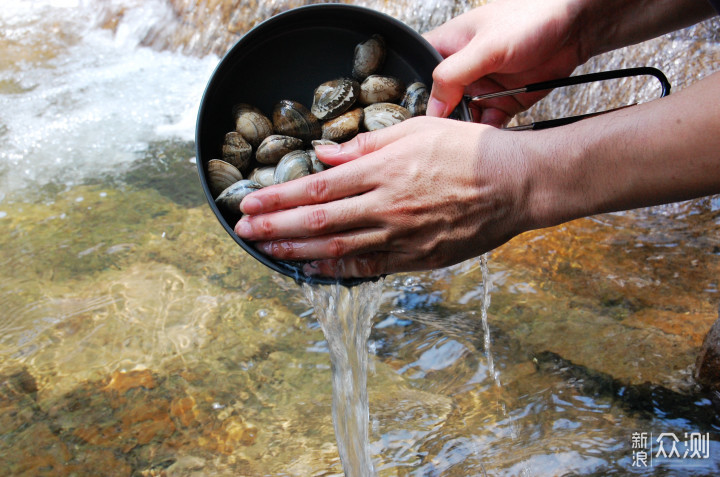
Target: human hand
502 45
423 194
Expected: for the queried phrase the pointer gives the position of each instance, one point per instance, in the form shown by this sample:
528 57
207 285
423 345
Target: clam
344 127
263 175
369 57
240 108
229 200
381 89
380 115
274 147
293 165
221 175
333 98
416 98
236 150
291 118
254 127
313 156
323 142
316 165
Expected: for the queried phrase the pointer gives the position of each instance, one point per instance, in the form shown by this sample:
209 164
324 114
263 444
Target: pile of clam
271 151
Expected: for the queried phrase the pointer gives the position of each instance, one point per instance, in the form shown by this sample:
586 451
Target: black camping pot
287 57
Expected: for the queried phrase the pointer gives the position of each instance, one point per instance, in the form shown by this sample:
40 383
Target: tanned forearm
605 25
663 151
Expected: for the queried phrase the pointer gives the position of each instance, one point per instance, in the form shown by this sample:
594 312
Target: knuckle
264 227
318 189
317 220
366 142
337 247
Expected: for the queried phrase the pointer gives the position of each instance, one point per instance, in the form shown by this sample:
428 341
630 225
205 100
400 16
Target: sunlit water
137 339
346 316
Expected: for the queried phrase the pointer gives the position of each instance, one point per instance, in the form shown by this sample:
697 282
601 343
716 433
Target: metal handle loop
571 81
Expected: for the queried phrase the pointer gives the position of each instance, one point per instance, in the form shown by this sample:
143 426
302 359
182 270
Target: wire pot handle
571 81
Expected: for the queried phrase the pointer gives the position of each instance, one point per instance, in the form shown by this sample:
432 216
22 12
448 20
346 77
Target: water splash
487 341
345 315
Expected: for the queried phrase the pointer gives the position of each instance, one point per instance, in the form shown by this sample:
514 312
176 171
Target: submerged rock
707 367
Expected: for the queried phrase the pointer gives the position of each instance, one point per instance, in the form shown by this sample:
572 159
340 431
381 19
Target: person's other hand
423 194
503 45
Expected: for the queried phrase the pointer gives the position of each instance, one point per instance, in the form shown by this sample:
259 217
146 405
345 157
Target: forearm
663 151
609 24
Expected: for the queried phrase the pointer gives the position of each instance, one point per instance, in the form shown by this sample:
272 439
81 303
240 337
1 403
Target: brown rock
707 367
122 381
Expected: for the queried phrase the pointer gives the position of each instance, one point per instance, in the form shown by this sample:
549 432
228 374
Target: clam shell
263 175
381 89
381 115
333 98
221 175
293 165
323 142
416 98
369 57
254 127
274 147
291 118
344 127
240 108
316 164
236 150
229 200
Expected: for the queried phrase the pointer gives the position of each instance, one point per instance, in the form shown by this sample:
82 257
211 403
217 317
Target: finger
364 143
333 246
324 186
308 221
452 75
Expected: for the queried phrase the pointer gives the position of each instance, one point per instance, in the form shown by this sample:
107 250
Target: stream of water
346 316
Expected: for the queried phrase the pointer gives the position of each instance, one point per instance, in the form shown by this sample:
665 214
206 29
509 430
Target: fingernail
243 228
435 108
311 269
250 205
328 149
265 247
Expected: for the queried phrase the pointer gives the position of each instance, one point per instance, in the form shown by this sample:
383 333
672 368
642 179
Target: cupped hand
505 44
423 194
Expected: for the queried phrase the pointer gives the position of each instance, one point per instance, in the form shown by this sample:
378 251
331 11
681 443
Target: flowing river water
137 339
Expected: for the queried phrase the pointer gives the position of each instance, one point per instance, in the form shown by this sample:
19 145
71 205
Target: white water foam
80 99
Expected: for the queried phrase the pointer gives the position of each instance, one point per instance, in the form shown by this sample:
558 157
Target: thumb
476 60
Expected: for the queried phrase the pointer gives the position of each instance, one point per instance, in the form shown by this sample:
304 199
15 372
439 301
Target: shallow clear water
136 337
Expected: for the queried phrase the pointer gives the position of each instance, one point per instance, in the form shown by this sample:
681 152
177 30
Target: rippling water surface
137 339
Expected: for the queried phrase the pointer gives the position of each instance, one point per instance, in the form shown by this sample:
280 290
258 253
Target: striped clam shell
344 127
263 175
381 89
221 175
274 147
229 200
416 99
381 115
369 57
254 127
293 165
291 118
333 98
236 150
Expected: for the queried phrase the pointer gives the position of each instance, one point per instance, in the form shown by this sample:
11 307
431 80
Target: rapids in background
136 338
